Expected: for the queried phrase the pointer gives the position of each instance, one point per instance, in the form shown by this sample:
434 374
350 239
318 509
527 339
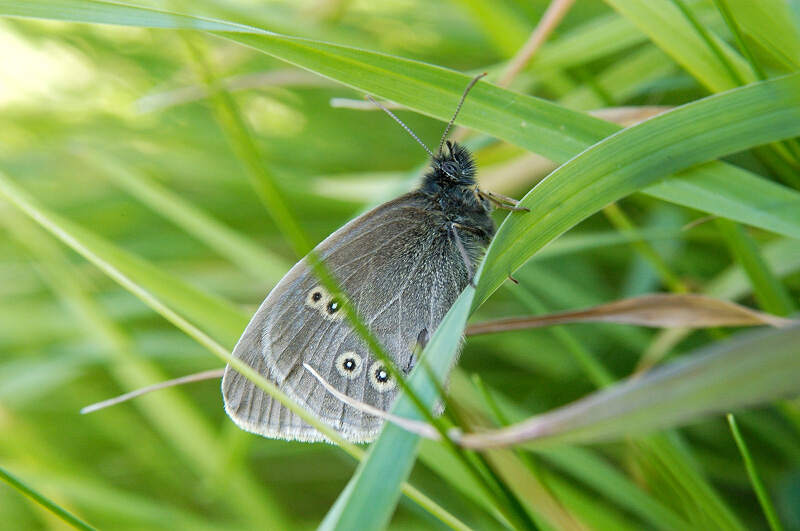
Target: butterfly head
452 167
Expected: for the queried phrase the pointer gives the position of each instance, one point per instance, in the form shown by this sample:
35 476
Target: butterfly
401 265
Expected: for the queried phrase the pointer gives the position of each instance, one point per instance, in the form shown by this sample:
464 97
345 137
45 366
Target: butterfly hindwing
397 265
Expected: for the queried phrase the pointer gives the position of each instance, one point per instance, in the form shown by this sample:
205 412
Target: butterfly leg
454 228
416 351
502 201
422 341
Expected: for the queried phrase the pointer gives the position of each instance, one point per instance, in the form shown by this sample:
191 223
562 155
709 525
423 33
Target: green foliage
180 153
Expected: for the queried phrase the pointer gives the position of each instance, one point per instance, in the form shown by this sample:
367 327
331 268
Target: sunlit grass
108 130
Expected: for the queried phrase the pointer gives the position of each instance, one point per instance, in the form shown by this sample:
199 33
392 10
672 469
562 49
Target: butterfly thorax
452 188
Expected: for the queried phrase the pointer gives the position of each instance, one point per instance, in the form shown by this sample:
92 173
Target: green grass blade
637 157
772 295
666 26
229 243
555 132
623 80
772 25
736 194
127 508
101 12
782 257
191 438
755 478
207 311
370 498
606 480
242 141
591 41
762 366
541 127
45 502
674 467
51 506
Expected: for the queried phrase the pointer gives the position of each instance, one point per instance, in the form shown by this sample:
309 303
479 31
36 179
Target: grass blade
370 497
761 367
54 508
637 157
541 127
755 479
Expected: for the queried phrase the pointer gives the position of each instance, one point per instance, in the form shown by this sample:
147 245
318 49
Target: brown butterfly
402 266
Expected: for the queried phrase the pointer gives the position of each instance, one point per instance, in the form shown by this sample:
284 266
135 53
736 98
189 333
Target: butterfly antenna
398 120
463 97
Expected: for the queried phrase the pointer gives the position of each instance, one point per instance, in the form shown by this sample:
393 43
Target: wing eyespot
380 378
332 309
349 364
316 297
319 299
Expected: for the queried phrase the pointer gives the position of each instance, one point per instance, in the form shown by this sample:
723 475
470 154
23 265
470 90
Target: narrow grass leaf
755 478
121 507
657 310
189 436
541 127
782 257
595 472
736 194
670 463
638 156
371 496
666 26
102 12
770 292
207 311
229 243
773 26
749 370
45 502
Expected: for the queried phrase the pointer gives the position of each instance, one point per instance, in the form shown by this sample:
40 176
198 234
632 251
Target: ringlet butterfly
402 266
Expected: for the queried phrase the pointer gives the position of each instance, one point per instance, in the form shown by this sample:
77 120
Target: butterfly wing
398 266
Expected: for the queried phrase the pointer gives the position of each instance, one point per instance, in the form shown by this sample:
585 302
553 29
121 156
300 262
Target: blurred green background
110 129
